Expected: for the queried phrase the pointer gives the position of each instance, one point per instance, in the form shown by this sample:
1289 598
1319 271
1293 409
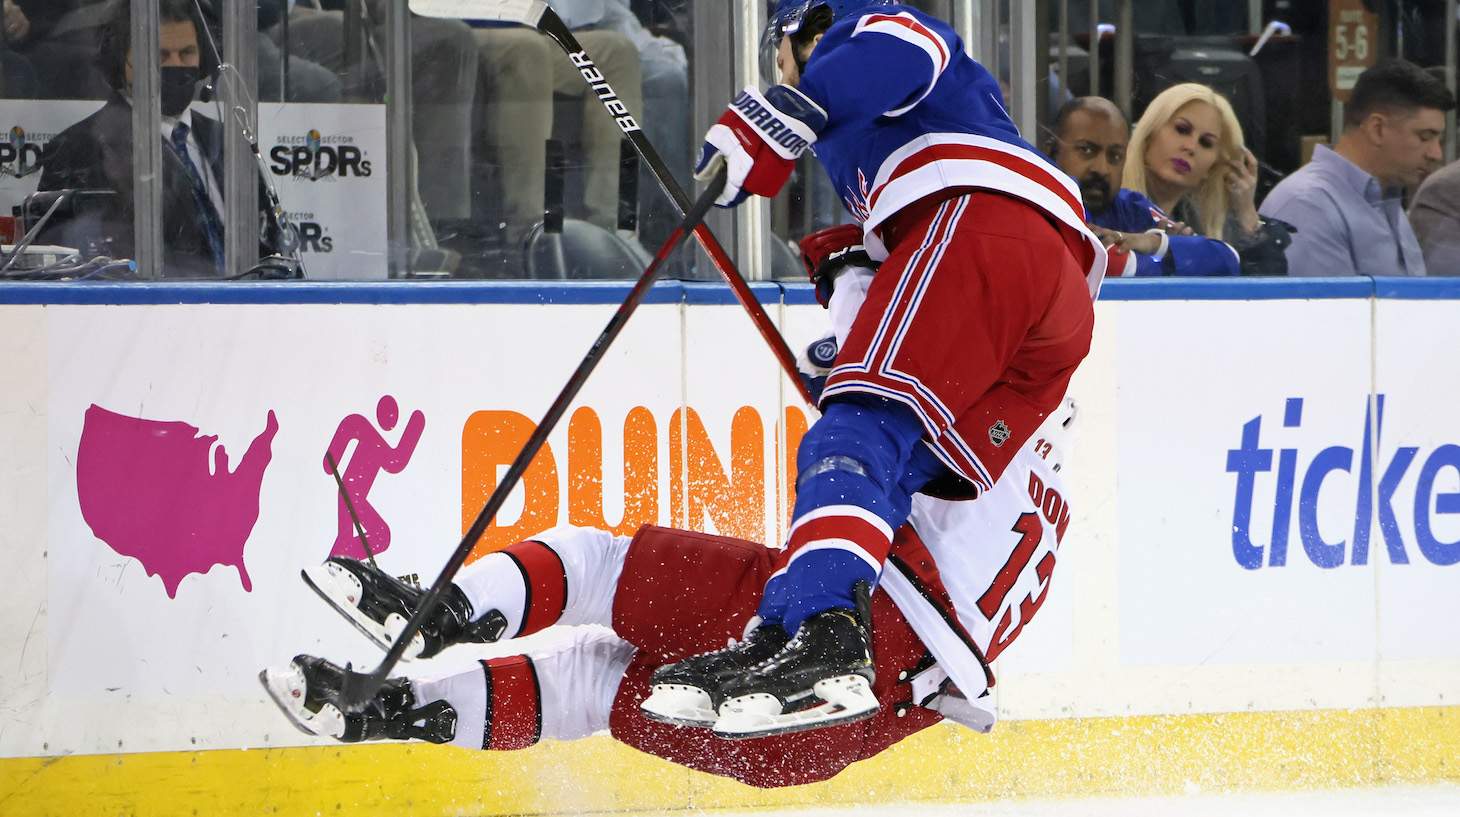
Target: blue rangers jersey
910 114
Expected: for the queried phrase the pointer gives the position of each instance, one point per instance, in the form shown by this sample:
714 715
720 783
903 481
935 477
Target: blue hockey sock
859 466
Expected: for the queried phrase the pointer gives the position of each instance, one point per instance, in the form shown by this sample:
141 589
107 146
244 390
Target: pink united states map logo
147 491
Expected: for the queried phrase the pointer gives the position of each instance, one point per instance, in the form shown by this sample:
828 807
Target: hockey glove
827 252
814 364
759 137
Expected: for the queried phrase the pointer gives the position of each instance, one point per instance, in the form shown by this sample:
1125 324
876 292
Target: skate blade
289 690
341 590
678 705
845 699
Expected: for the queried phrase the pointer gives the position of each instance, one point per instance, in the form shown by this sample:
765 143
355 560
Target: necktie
207 216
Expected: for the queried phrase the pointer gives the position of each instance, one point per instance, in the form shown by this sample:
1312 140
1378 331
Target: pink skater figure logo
147 491
371 455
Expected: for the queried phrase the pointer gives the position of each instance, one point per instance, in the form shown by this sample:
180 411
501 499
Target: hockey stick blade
526 12
359 690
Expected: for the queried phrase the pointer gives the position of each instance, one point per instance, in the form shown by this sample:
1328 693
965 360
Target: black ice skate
310 690
823 677
687 693
380 605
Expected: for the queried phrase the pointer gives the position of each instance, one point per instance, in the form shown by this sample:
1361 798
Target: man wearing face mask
96 153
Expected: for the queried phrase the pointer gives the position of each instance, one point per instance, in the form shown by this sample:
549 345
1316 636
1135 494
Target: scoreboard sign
1352 44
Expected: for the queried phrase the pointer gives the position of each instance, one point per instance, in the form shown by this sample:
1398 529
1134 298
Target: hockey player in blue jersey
967 337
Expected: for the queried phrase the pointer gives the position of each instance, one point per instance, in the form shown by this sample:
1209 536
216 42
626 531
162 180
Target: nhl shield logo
999 434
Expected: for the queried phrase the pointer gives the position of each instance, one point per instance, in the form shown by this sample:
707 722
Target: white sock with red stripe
564 691
563 576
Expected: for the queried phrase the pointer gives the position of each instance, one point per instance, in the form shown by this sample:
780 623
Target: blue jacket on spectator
1132 212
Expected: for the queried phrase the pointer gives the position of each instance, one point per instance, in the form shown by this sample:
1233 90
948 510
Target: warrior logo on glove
775 130
759 138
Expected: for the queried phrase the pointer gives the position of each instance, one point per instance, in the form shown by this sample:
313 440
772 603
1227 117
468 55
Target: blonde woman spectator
1187 156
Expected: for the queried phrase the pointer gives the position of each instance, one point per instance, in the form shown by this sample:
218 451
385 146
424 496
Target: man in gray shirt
1435 216
1348 202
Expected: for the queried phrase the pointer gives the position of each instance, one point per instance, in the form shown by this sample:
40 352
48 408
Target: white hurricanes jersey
996 553
995 556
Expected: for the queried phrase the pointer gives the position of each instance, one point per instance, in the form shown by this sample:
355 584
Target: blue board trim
330 292
1417 289
667 292
715 293
1235 289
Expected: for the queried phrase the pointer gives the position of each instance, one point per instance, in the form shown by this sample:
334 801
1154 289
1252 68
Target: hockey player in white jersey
968 336
963 580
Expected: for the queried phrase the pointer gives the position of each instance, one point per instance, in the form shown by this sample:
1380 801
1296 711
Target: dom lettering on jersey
1251 459
615 106
1049 502
770 124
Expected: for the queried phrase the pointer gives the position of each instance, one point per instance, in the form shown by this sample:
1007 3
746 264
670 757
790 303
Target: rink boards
1257 587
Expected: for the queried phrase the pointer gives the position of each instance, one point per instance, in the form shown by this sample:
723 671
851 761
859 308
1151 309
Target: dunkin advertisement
1265 519
193 480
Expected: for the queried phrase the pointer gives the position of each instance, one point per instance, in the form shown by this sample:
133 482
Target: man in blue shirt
1348 202
1088 141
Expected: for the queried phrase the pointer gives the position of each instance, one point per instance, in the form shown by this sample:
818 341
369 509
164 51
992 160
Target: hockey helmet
787 19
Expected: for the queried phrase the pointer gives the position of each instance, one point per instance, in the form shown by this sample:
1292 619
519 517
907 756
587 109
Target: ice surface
1442 800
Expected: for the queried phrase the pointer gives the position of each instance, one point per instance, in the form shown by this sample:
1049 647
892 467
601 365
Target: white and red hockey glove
759 138
827 252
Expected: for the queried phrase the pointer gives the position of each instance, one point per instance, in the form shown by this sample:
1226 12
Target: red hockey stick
360 689
538 15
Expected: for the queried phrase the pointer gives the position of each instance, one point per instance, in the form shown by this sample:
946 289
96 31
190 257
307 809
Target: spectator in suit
96 153
1088 140
1435 216
1191 162
1348 202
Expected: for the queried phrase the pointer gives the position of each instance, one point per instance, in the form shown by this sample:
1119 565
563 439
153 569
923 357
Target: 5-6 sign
1352 46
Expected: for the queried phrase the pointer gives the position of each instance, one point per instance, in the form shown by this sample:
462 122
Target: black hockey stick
350 506
360 689
541 17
